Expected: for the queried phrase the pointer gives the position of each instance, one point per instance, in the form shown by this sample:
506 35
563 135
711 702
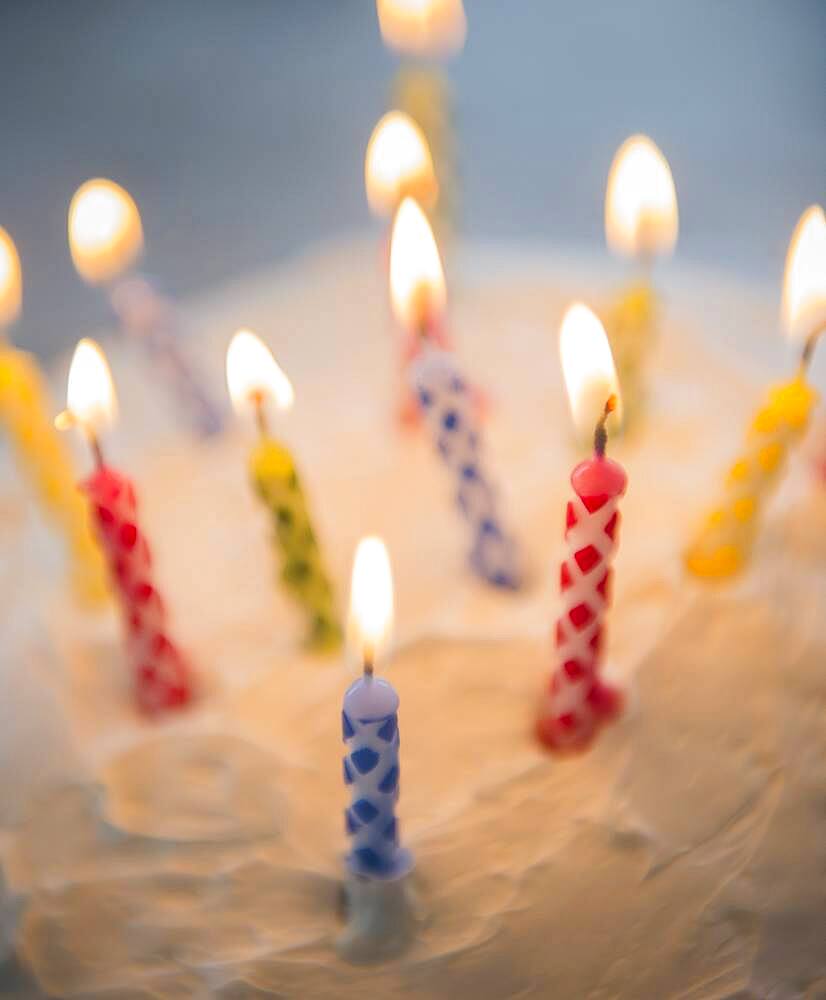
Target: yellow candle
254 380
423 93
25 412
724 542
641 222
303 574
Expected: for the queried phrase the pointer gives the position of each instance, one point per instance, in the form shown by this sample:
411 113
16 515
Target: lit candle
578 701
398 164
160 675
370 726
106 241
448 401
423 30
641 222
724 542
255 382
26 412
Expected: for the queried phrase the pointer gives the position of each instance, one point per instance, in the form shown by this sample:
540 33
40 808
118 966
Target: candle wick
94 444
809 349
368 661
601 432
257 397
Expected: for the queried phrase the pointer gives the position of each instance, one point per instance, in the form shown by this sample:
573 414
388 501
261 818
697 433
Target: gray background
240 125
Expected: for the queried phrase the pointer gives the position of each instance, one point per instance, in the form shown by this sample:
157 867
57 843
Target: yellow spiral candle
641 222
303 575
254 380
423 93
26 415
631 327
724 542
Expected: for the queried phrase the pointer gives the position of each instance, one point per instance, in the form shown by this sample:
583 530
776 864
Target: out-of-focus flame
423 27
804 285
90 395
587 367
641 217
417 280
105 232
397 164
254 377
371 599
11 280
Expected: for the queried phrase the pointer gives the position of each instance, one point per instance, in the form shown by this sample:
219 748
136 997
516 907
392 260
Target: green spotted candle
254 380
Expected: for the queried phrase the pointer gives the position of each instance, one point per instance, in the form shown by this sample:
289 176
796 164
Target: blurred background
240 127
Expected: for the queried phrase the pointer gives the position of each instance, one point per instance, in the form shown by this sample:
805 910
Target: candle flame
11 280
804 285
641 217
417 281
588 368
90 395
397 164
105 232
254 377
423 27
371 599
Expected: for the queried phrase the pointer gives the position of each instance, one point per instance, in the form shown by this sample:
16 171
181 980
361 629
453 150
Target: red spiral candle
161 677
160 674
578 701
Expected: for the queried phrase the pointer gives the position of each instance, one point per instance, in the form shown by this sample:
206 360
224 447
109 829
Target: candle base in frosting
381 918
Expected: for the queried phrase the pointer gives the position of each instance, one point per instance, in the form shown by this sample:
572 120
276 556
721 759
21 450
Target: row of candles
418 295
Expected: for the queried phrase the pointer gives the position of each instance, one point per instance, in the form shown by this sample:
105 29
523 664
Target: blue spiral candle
370 730
451 413
370 727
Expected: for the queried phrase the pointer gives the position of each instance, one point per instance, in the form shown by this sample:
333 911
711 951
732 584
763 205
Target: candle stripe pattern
150 318
723 545
631 326
578 702
451 413
303 574
371 773
160 674
25 409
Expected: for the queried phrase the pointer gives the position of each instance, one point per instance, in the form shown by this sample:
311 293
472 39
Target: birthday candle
447 400
641 222
106 240
724 542
161 676
255 380
370 727
425 30
578 701
26 412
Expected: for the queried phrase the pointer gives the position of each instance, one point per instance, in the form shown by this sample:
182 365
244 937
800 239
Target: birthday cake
201 855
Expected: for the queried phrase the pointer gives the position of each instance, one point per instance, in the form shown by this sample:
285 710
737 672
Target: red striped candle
578 701
161 677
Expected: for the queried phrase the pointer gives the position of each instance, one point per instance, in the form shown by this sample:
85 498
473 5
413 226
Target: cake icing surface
684 856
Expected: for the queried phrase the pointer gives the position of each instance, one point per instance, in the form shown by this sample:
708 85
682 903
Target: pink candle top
597 480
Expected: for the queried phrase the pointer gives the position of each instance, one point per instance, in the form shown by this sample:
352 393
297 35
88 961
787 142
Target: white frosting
682 857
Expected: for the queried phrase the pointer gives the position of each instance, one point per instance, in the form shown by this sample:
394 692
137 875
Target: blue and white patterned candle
451 413
106 240
450 405
370 727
